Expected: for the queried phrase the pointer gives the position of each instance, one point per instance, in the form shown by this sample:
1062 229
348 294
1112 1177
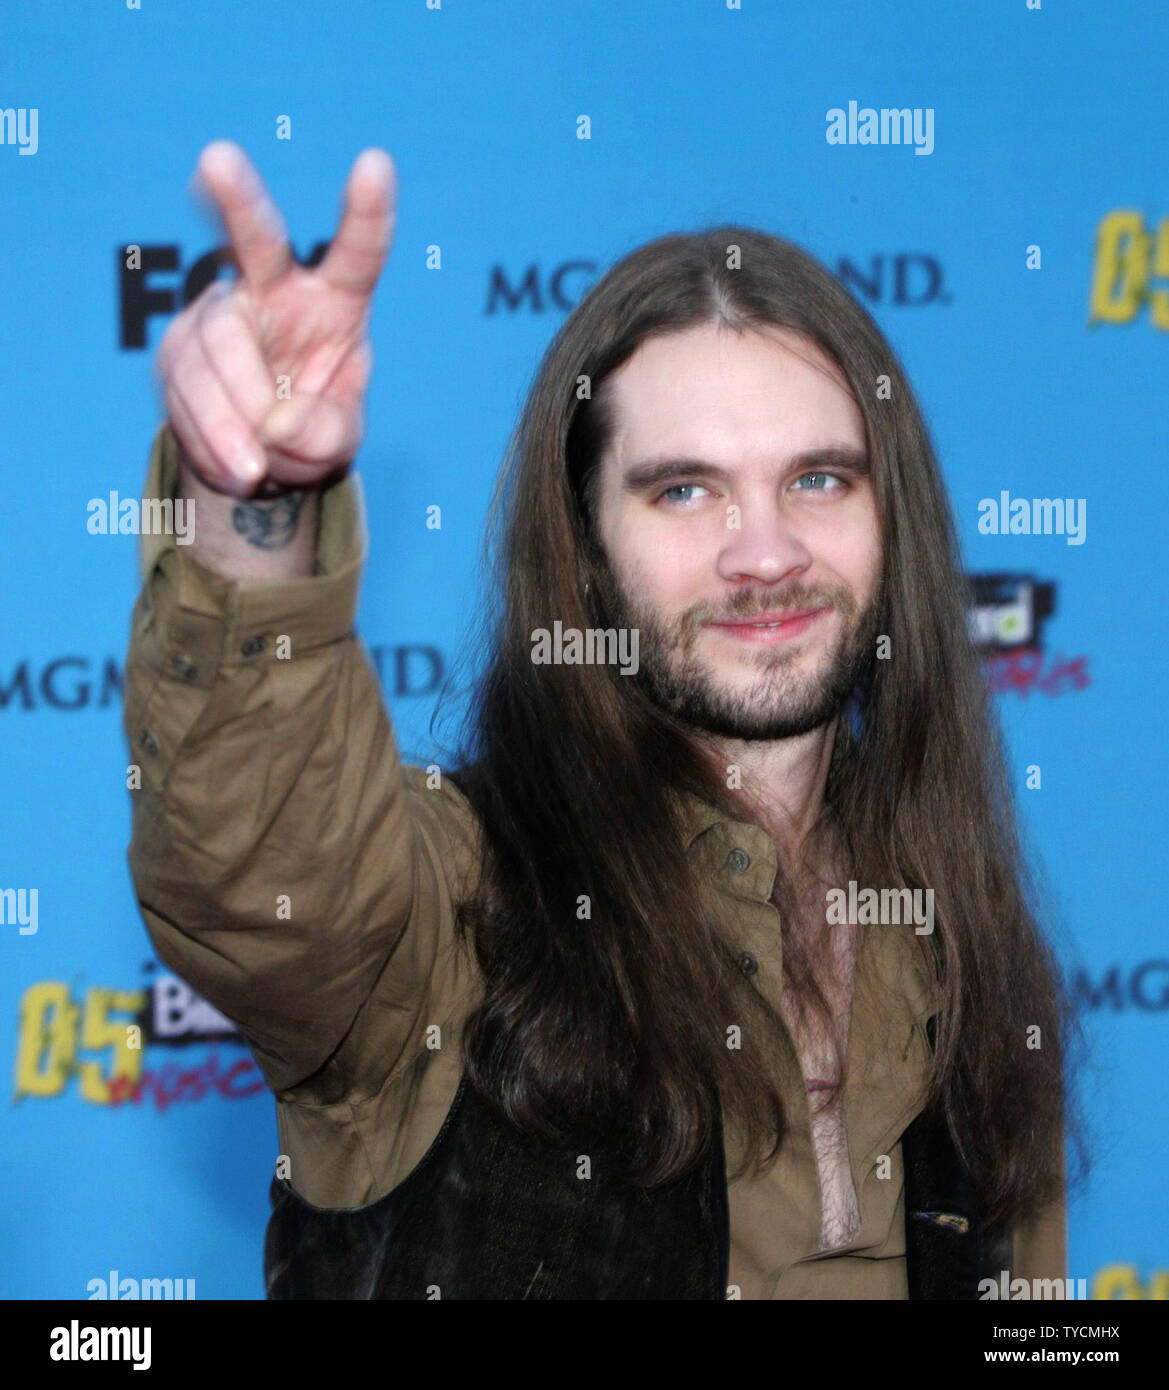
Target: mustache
746 605
743 604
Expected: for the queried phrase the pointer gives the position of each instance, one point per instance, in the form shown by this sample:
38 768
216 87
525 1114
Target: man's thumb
285 420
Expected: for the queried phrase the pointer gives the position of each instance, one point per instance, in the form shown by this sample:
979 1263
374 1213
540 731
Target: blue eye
823 477
678 487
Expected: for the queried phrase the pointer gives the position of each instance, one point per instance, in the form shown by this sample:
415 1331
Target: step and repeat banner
990 180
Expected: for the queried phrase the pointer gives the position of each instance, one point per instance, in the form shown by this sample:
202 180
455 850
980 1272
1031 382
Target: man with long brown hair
580 1015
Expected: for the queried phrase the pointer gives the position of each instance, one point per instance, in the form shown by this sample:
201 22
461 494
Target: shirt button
148 741
748 964
739 859
254 645
185 666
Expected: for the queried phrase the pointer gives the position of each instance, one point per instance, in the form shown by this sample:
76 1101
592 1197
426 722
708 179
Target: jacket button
254 645
185 666
148 741
748 964
739 860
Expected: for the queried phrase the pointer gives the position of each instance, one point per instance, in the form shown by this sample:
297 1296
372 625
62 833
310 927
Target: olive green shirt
297 874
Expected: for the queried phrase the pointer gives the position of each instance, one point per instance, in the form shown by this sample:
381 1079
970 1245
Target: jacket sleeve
277 854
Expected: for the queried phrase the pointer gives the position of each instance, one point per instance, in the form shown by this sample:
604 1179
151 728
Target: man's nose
763 545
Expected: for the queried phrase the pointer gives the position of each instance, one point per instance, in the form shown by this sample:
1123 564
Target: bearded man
568 1017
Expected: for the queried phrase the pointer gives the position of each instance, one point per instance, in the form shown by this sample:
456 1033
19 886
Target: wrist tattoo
269 524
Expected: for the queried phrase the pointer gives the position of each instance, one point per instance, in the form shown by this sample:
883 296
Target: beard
786 695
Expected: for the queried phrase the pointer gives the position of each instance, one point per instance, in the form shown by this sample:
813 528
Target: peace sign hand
264 377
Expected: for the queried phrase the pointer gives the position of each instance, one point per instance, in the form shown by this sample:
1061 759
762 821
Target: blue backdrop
1020 266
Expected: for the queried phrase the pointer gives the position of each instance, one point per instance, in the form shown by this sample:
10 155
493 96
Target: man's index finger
254 225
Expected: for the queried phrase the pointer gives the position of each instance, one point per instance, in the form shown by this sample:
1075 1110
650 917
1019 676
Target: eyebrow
646 474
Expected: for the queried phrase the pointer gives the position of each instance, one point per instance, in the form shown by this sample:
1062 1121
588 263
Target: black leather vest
489 1213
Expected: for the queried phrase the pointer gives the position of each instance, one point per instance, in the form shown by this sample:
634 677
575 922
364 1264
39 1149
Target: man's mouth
771 627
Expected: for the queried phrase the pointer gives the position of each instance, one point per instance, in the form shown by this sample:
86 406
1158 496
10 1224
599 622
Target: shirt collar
697 817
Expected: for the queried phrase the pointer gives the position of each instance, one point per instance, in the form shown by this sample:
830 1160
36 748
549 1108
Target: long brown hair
615 1023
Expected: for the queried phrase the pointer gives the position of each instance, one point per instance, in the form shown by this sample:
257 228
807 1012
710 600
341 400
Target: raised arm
287 864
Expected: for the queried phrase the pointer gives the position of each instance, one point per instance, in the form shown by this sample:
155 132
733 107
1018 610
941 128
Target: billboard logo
1008 610
1006 618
